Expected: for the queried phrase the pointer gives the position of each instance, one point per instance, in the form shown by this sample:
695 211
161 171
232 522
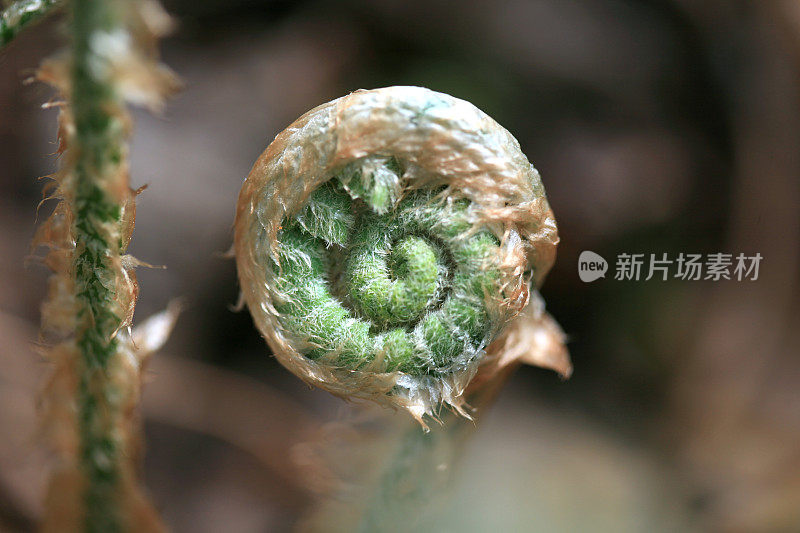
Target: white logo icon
591 266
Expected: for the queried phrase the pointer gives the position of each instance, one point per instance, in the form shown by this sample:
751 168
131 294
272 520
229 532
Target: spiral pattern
410 288
385 239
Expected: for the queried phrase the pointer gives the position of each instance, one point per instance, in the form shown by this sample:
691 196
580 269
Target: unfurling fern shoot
384 240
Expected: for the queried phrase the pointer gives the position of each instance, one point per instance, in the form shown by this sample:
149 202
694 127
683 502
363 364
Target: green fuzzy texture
99 142
365 277
20 14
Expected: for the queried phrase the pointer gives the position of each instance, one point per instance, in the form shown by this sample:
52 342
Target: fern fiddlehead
385 239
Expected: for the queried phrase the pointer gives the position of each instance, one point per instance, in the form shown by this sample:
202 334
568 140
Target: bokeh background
657 125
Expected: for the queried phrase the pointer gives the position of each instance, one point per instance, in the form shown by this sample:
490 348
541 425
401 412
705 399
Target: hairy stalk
20 14
92 397
100 147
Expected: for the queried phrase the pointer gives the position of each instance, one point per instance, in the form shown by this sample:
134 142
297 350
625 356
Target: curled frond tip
386 239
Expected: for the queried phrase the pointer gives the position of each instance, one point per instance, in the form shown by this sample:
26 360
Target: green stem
21 13
100 147
415 484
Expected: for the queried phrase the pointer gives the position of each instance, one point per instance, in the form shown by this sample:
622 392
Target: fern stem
19 15
100 146
90 402
415 480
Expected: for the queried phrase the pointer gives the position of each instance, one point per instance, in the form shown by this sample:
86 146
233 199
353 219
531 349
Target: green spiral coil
405 288
388 244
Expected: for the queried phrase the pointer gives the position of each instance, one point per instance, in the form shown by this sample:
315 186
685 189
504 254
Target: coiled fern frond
386 239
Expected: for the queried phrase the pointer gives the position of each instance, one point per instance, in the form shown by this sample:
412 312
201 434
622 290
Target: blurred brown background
658 126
